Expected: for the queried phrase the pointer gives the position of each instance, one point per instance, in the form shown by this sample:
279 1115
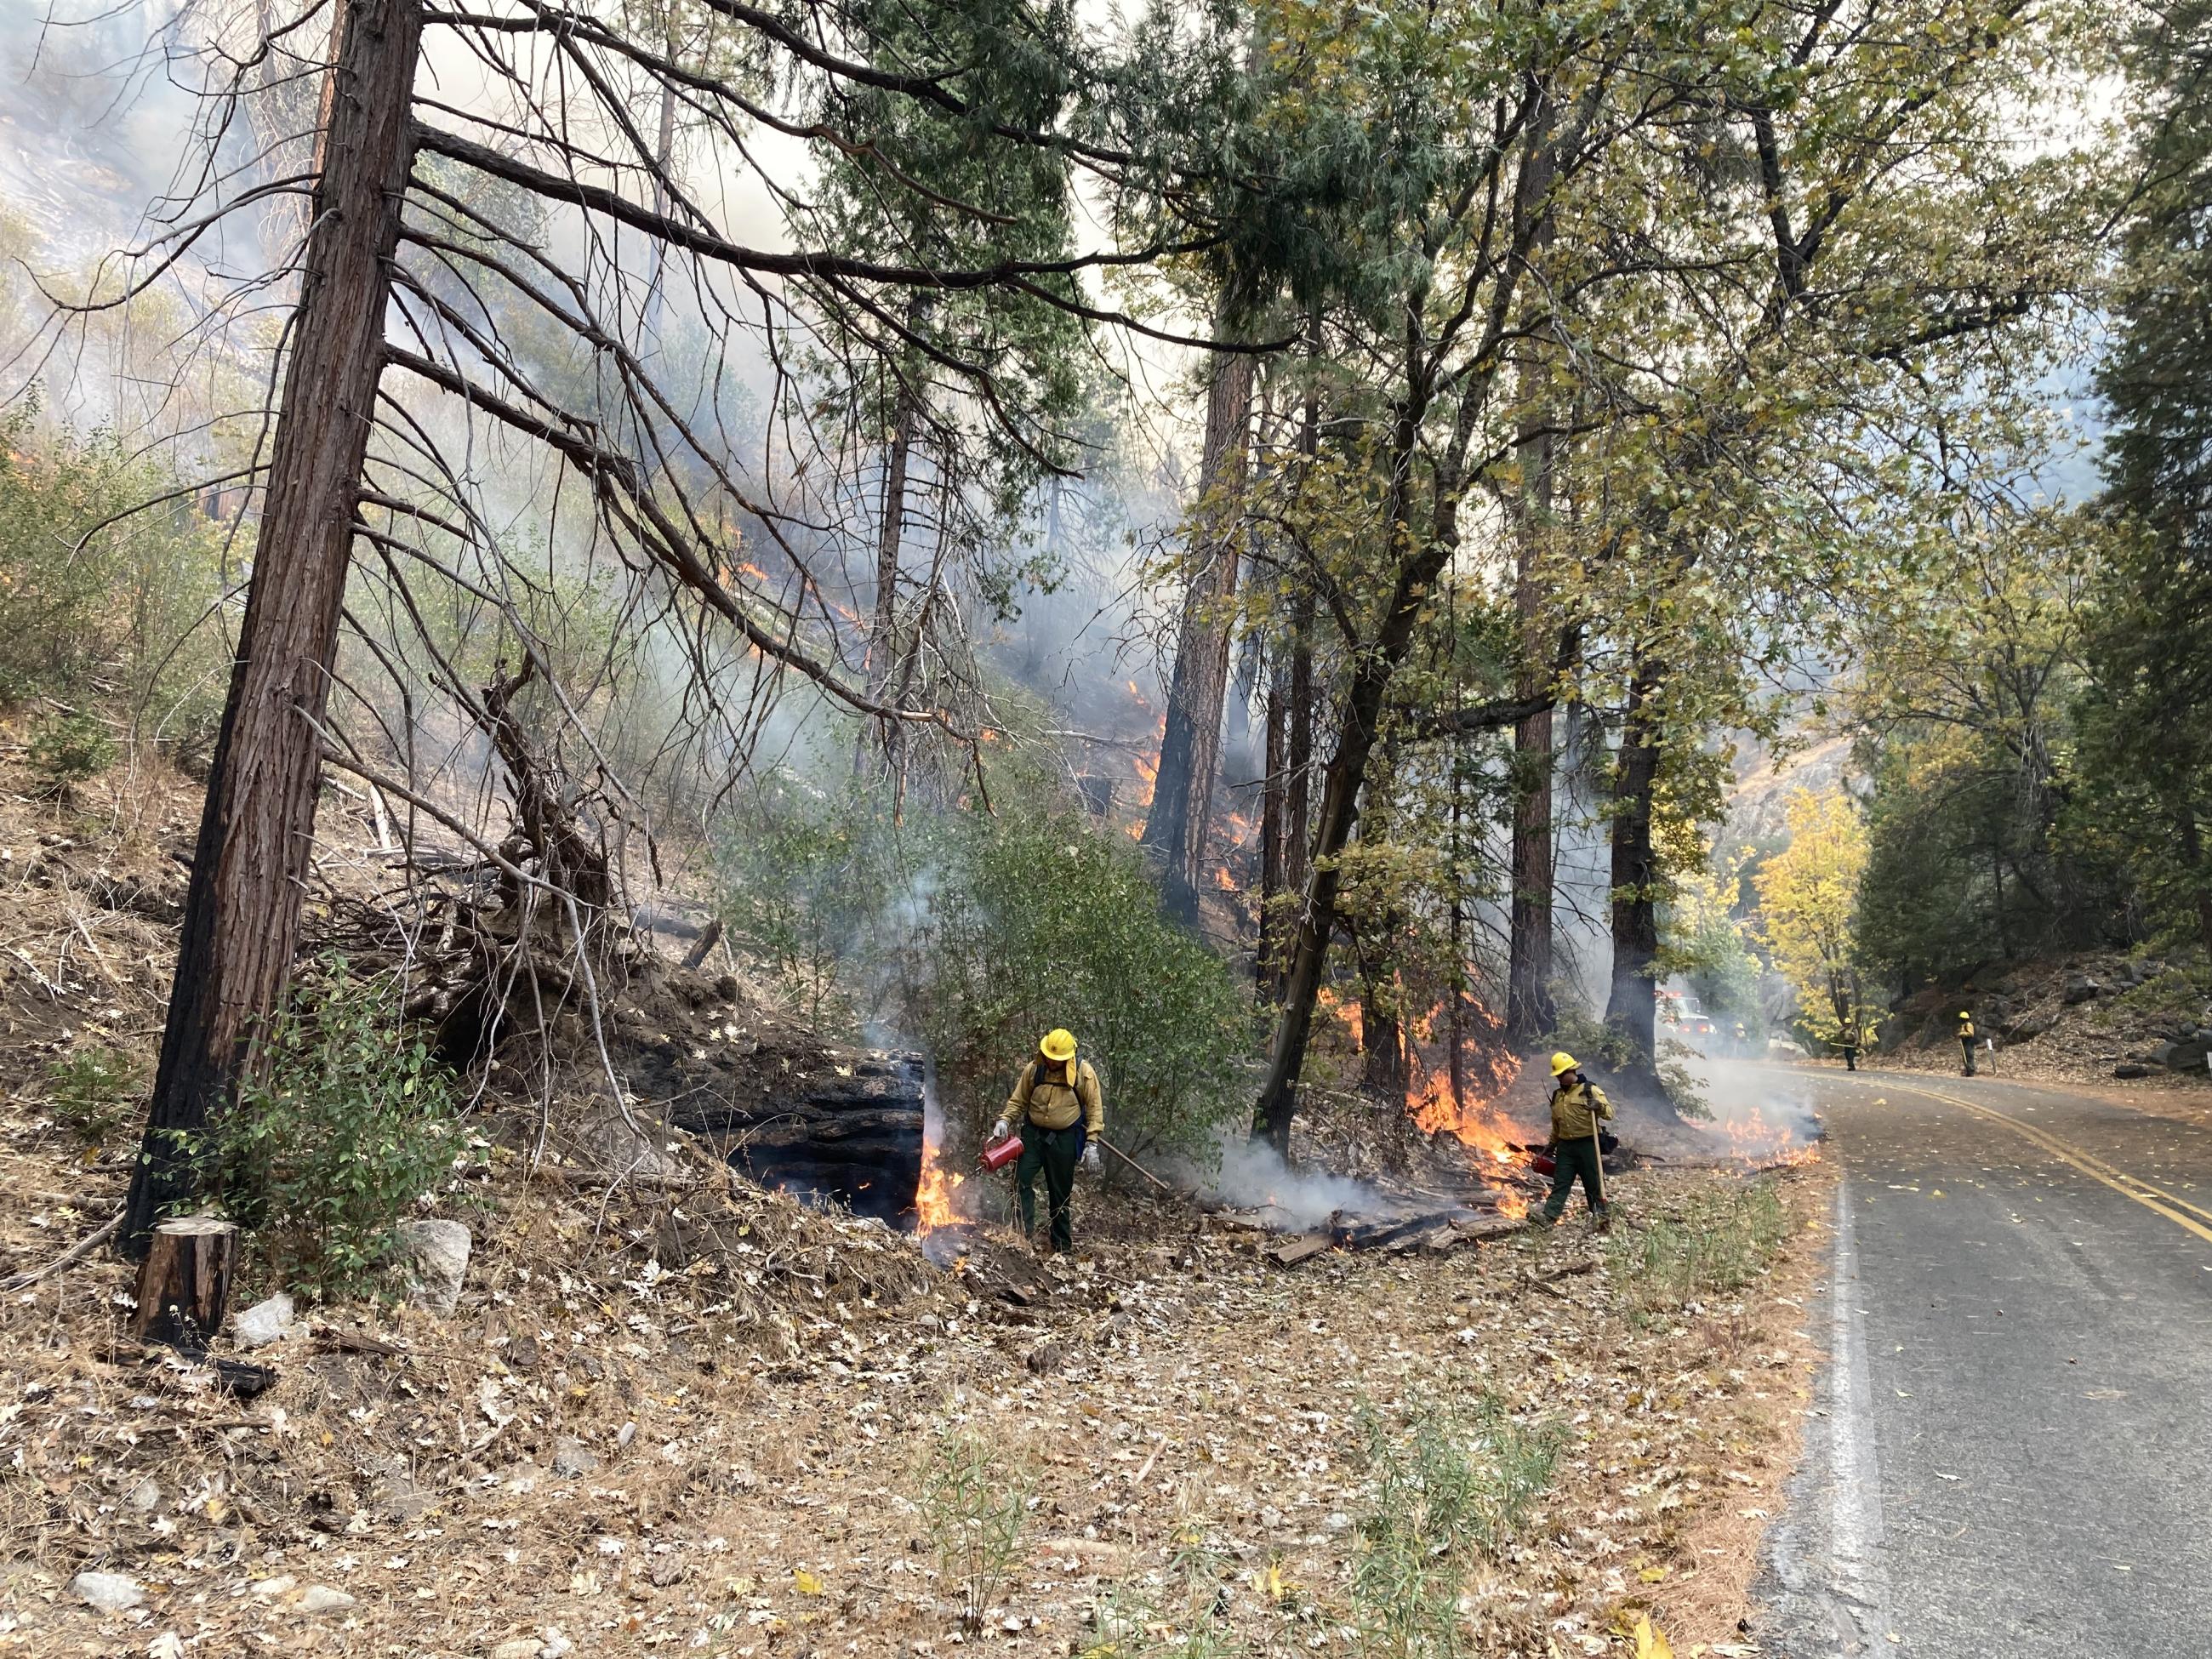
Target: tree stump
184 1283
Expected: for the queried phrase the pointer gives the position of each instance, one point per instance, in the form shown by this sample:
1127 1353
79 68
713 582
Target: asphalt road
2012 1453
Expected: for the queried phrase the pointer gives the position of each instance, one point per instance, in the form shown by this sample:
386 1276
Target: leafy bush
1041 921
121 614
805 883
92 1090
1447 1484
972 1506
345 1122
67 748
1718 1244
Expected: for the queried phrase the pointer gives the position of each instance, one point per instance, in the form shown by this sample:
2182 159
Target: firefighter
1966 1038
1578 1107
1057 1106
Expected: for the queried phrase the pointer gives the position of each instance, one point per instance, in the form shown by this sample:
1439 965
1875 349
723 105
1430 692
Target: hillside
676 1410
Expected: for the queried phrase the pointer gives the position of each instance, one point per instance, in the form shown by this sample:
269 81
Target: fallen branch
76 1252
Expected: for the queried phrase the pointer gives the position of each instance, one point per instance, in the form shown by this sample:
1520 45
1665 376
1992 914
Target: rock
572 1458
265 1323
321 1598
283 1584
1784 1048
108 1592
2131 1069
555 1646
2027 1027
146 1496
2080 987
434 1256
522 1647
2186 1056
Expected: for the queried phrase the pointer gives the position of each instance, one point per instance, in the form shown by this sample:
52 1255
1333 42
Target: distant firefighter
1578 1107
1966 1038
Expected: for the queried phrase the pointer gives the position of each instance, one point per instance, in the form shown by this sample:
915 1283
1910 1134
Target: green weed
1716 1245
973 1504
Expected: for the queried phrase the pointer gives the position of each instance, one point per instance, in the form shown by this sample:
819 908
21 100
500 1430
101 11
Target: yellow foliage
1808 894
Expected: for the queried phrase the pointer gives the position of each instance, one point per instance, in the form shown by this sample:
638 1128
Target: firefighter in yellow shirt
1057 1106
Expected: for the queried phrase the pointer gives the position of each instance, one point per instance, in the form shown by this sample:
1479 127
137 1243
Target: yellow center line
2096 1169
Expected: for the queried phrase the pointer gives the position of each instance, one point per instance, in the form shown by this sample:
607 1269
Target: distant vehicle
1691 1025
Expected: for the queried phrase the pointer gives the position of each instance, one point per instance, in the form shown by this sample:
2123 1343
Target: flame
1475 1124
932 1197
1346 1009
1759 1144
1223 880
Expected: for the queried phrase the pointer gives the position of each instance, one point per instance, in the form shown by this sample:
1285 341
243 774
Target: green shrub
1716 1245
92 1091
972 1505
1446 1484
100 605
66 749
1042 920
344 1124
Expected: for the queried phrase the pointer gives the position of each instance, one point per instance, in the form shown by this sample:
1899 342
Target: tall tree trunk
1528 1010
1371 672
241 919
1274 832
1630 1009
1190 746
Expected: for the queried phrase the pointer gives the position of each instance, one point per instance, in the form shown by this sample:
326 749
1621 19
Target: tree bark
1181 813
242 907
1274 832
1630 1010
1528 1010
184 1283
1370 673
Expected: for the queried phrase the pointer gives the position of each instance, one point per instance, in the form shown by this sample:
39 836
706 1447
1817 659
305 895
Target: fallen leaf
1649 1644
807 1584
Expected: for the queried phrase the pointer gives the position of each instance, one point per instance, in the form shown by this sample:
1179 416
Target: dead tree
241 908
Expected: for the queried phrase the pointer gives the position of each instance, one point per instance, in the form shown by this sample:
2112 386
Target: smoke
1761 1114
1251 1175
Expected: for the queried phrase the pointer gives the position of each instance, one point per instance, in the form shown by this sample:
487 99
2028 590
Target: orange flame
932 1198
755 572
1476 1124
1223 879
1346 1009
1759 1144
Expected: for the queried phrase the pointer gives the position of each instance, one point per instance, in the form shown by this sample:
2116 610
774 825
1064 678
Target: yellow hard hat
1963 1014
1564 1062
1059 1047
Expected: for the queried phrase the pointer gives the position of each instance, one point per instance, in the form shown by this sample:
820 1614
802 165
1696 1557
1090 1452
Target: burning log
853 1135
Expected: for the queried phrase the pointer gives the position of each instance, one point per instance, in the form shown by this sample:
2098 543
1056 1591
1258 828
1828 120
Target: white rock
522 1647
281 1584
109 1592
265 1323
572 1458
321 1598
434 1256
555 1646
146 1496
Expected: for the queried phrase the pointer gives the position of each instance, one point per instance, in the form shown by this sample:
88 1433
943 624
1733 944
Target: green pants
1055 1151
1967 1045
1571 1158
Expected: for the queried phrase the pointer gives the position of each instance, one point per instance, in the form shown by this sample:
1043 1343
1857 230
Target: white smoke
1250 1175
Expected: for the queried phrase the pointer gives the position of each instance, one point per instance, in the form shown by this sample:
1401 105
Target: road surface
2014 1449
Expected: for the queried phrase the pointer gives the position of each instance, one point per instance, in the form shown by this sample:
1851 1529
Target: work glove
1090 1156
1001 1130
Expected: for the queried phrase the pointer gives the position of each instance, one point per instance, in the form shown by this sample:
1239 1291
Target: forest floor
608 1453
701 1419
